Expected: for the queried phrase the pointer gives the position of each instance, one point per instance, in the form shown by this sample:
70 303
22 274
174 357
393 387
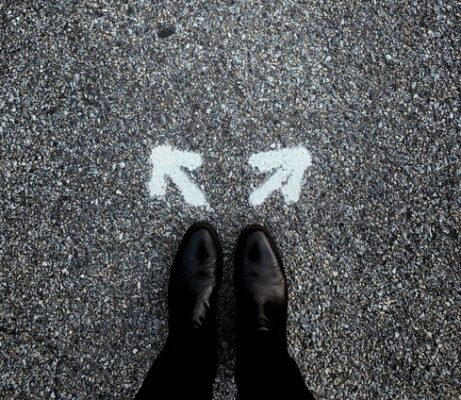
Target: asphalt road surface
372 247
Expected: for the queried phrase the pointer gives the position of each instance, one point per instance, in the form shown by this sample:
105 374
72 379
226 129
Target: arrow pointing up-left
167 161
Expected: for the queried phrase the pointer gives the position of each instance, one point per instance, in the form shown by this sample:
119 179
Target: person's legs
186 367
266 371
181 370
264 368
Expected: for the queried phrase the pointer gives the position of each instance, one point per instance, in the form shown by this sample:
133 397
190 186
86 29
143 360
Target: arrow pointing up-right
289 165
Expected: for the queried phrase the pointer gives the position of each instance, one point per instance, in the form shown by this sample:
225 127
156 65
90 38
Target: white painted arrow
289 165
167 161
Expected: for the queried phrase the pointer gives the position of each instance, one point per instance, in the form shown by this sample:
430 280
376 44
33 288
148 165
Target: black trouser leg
185 369
265 371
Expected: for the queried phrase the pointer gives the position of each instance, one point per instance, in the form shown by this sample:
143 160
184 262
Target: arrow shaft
191 193
274 183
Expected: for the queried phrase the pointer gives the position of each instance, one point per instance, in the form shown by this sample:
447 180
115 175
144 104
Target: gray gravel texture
372 249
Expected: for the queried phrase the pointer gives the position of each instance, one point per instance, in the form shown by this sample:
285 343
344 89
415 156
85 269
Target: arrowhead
289 165
167 161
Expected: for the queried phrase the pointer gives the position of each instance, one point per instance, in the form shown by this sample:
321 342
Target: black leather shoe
194 280
261 289
186 366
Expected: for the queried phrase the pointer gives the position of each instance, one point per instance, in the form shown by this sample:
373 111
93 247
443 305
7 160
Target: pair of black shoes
187 364
260 284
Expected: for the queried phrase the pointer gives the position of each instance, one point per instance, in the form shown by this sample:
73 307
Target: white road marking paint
167 161
289 165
